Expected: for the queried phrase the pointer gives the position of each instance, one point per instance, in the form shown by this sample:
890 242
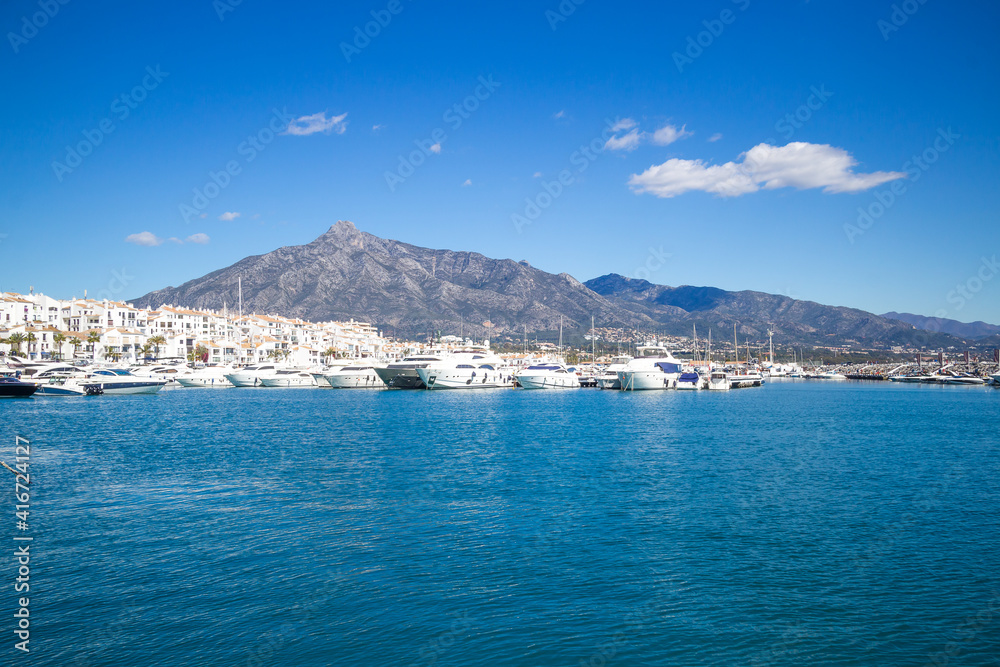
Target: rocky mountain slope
409 290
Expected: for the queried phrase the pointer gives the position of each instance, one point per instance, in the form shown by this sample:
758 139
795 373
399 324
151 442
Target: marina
701 494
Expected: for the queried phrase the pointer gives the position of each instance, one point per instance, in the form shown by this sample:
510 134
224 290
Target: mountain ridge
348 273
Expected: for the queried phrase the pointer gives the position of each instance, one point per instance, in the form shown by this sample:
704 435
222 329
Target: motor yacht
653 367
119 381
718 380
210 377
689 380
11 386
468 376
251 376
551 375
403 374
608 378
354 377
289 378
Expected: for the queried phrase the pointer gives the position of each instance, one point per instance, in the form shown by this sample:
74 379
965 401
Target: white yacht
211 377
473 368
718 380
288 378
551 375
689 380
251 376
654 367
354 377
608 378
468 376
118 381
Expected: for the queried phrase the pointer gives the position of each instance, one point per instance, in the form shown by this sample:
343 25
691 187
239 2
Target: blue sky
747 137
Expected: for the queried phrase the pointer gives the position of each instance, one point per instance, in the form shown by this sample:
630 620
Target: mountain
408 291
754 313
973 330
348 273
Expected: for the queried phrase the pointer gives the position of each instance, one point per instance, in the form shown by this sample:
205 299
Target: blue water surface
802 523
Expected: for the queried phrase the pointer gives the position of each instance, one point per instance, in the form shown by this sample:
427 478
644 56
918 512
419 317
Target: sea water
801 523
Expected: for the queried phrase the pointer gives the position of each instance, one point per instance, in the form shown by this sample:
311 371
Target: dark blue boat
12 387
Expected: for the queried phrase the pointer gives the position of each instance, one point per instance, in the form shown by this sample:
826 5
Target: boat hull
462 378
20 390
354 381
123 388
646 380
400 378
548 382
206 383
288 382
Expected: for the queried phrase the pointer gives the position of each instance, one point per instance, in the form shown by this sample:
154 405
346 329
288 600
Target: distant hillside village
41 327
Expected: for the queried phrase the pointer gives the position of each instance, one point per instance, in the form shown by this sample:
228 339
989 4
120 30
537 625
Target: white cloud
559 114
715 137
668 134
148 239
537 174
317 122
798 165
467 183
436 148
174 239
623 124
627 142
199 238
229 215
376 128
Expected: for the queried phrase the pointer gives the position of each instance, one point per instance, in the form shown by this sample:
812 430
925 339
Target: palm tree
145 350
93 337
30 338
76 343
57 340
330 353
156 342
15 340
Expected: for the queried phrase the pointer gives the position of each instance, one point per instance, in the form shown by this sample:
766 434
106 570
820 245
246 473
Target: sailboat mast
593 344
736 346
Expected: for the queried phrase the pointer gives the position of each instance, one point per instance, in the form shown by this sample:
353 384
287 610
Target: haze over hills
410 290
973 330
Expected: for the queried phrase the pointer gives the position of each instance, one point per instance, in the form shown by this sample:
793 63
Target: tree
76 343
15 340
200 353
94 337
330 353
145 350
156 342
57 341
30 338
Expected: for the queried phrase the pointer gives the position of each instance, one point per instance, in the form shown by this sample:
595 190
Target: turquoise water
800 523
